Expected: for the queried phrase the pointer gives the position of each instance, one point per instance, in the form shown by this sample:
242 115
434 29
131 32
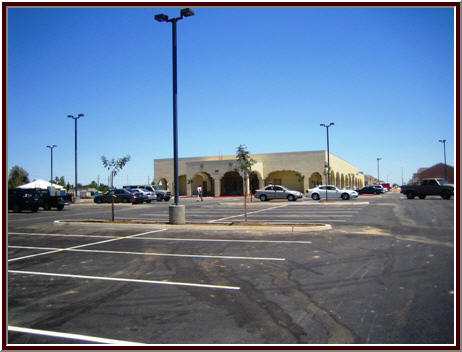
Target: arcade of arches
218 176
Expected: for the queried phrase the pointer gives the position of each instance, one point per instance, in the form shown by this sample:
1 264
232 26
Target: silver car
277 192
332 193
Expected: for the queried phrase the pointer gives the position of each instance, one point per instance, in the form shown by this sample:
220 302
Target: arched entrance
163 183
232 184
205 181
288 178
254 181
315 179
182 184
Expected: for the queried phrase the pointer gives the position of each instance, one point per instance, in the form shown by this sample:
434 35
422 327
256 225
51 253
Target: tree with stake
114 166
245 163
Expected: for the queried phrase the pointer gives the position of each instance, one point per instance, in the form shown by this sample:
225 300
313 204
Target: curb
204 227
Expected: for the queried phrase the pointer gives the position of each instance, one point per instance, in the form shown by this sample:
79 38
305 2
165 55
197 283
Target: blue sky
263 77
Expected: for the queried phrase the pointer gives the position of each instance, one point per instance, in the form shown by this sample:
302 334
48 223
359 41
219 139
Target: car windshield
442 181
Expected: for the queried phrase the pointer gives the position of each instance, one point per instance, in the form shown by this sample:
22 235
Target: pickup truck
48 201
429 187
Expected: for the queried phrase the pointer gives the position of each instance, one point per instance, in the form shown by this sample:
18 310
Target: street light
328 156
75 118
51 150
176 212
445 166
378 170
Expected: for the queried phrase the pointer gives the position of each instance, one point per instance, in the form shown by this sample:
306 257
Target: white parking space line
249 213
63 335
152 282
59 235
84 245
174 239
151 254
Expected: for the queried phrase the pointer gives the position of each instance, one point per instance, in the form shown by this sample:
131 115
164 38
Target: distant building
436 171
218 176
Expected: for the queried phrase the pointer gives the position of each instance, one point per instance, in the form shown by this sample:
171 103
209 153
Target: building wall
296 170
435 171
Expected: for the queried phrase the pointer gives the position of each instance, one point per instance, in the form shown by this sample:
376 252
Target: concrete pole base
176 214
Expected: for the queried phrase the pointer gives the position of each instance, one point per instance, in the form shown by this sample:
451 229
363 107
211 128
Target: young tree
114 166
245 163
17 177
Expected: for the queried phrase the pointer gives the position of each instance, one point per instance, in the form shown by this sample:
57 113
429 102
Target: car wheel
98 200
446 195
290 198
315 196
159 198
263 198
47 207
17 208
422 197
124 200
34 209
167 199
148 201
60 207
345 196
410 195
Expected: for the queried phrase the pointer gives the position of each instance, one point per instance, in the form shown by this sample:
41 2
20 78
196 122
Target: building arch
182 185
204 180
289 178
315 179
163 183
255 181
232 184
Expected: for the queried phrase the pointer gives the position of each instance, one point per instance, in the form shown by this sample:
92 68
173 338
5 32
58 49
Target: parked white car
277 192
333 192
147 195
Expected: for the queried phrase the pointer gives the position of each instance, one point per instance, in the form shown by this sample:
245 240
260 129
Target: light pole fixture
445 165
328 153
176 213
378 170
75 118
51 150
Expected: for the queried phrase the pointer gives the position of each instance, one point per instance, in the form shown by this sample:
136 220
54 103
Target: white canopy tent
41 184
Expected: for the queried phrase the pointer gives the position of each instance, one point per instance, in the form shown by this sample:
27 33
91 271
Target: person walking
199 193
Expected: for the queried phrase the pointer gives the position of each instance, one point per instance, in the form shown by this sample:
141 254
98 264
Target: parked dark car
23 199
53 201
368 190
119 196
138 195
429 187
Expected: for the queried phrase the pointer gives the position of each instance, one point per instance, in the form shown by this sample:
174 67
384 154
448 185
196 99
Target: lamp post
176 211
378 170
328 154
51 150
445 166
75 118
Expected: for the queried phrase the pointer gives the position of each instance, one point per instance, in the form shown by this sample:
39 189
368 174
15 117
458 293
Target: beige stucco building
218 176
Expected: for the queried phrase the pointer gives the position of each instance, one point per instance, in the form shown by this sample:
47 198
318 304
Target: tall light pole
51 150
328 154
176 212
75 118
445 166
378 170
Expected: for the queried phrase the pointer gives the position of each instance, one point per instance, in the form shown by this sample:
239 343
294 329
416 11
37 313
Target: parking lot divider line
85 245
154 282
58 235
221 240
249 213
153 254
70 336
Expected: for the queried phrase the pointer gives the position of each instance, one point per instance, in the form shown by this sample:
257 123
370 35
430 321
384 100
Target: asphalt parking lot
384 274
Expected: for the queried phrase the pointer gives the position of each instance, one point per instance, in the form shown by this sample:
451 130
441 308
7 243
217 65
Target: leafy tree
114 166
245 163
17 177
59 181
